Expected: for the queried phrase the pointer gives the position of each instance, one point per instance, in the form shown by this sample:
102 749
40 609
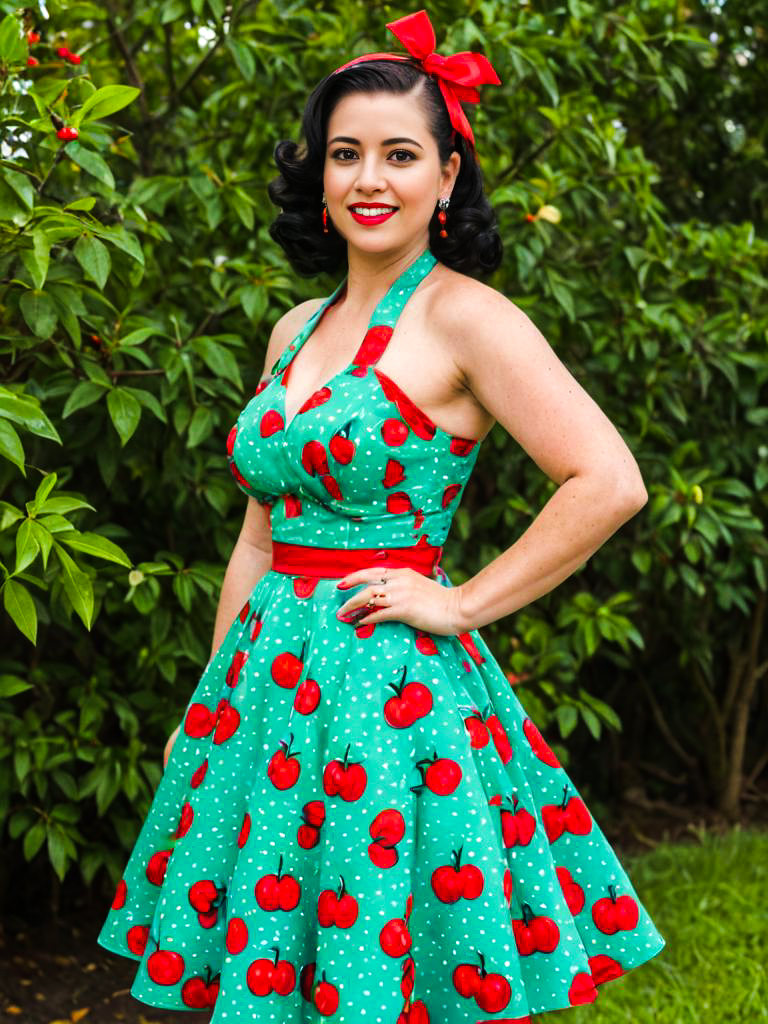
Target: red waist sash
333 563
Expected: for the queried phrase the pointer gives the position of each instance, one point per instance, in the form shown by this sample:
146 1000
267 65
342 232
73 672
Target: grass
709 900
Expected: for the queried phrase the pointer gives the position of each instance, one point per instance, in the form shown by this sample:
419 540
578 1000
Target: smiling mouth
372 211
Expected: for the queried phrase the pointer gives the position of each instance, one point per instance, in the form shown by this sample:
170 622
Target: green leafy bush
139 284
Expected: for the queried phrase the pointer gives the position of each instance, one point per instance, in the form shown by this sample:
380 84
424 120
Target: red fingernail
342 586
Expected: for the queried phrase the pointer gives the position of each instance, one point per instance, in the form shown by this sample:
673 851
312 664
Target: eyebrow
385 142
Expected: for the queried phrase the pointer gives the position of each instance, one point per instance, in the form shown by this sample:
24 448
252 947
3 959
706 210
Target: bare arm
515 374
252 554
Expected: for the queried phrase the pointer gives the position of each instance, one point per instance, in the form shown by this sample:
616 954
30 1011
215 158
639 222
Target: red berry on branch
33 37
530 216
62 51
73 58
67 133
31 61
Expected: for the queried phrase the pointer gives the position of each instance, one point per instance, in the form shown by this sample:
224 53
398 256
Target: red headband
457 74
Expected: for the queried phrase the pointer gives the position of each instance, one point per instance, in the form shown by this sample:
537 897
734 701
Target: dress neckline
377 334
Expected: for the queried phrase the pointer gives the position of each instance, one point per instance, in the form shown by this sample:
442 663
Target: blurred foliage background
625 156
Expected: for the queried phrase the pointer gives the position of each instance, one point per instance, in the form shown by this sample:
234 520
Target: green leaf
62 503
21 608
201 426
27 412
11 685
105 101
219 360
84 394
26 546
93 257
57 851
90 162
44 488
13 46
33 840
11 447
77 586
567 717
125 413
39 311
243 57
98 546
37 258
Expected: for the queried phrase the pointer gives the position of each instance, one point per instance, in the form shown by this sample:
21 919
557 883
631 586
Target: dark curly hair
473 244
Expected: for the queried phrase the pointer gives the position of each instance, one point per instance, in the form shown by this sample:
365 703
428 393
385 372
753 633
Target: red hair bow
458 74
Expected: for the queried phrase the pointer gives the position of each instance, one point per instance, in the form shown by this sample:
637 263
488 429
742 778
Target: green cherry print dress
360 824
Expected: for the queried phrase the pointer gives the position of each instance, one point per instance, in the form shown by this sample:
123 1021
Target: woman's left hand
409 597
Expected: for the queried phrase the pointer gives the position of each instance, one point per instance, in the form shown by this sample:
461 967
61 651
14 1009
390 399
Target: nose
369 176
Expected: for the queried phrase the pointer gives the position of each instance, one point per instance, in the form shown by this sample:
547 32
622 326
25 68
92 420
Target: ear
450 169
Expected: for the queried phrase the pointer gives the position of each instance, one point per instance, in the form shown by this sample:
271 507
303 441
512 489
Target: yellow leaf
550 213
15 1010
77 1015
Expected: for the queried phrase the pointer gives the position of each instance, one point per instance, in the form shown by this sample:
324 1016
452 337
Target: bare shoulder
287 327
473 318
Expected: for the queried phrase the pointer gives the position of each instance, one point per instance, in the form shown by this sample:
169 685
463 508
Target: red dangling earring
325 216
442 216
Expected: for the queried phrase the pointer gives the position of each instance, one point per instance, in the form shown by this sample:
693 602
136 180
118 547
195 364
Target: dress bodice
359 465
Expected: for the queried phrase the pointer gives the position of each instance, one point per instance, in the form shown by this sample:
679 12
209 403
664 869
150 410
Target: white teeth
375 211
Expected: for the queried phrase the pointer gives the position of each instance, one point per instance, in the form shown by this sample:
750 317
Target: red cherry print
508 885
408 970
331 485
398 503
185 821
518 826
394 473
386 830
244 611
491 991
363 632
200 993
304 586
412 701
582 989
469 645
539 746
451 882
320 397
261 385
443 776
208 918
199 775
535 933
136 938
237 935
227 722
313 459
339 908
479 736
292 506
394 432
271 422
199 721
604 968
120 893
307 980
313 814
419 422
373 344
500 738
394 937
326 998
157 865
231 440
239 476
341 447
287 668
572 891
461 445
569 816
266 976
425 644
165 967
245 829
233 672
278 891
307 697
614 913
344 779
284 768
450 493
202 895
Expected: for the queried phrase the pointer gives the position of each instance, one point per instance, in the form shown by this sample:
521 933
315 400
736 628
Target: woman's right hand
169 745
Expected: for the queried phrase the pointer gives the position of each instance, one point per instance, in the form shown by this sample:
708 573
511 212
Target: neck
371 274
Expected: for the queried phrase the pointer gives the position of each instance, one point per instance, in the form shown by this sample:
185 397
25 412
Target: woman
357 820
